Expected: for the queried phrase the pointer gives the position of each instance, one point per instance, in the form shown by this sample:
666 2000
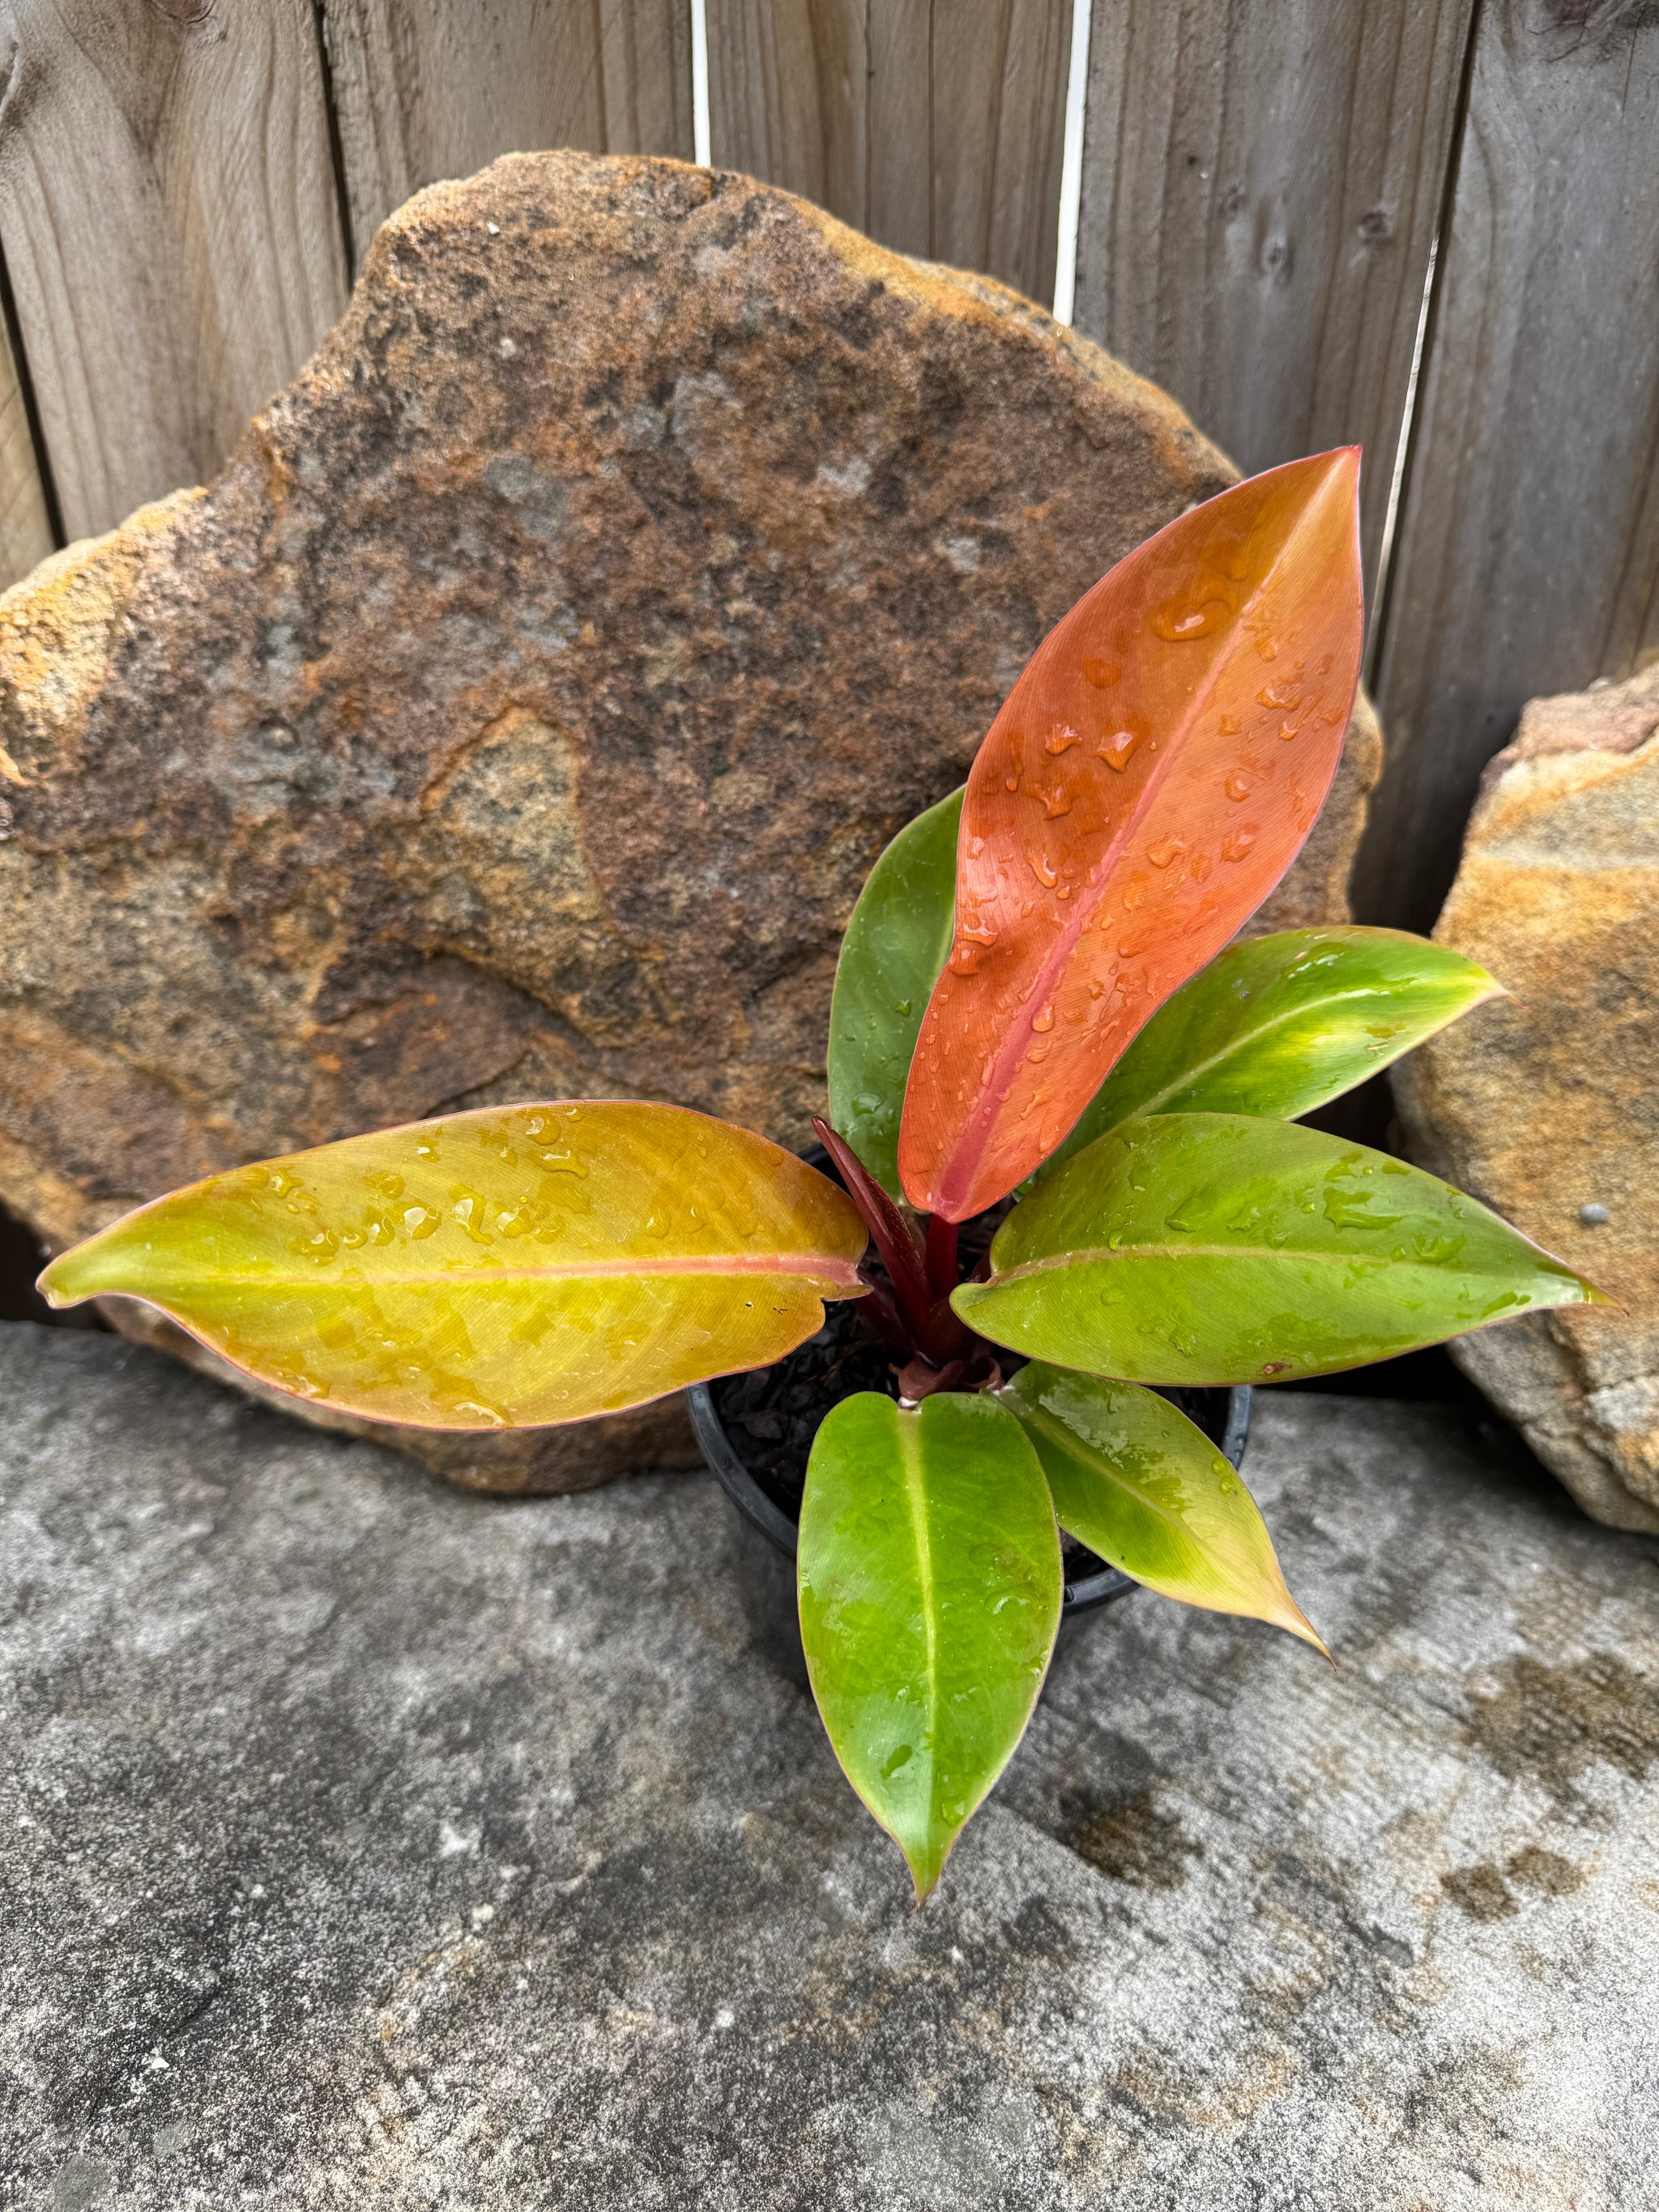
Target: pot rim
775 1525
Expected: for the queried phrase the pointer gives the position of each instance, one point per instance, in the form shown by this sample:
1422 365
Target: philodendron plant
1039 994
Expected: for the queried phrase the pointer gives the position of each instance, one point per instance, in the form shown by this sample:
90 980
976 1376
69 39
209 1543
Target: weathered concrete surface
519 713
372 1844
1547 1105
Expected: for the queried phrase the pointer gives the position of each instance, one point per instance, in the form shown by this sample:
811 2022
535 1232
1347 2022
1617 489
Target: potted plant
1062 1106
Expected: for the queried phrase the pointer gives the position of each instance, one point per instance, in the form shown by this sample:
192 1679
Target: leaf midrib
1199 1070
840 1272
994 1091
1040 1417
910 1459
1082 1255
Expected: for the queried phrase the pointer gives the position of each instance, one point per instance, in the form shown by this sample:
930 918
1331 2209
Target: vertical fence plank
1260 188
998 97
899 134
25 526
936 125
170 222
787 97
1527 555
439 88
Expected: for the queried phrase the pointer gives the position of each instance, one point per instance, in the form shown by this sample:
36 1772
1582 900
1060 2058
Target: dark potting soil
771 1414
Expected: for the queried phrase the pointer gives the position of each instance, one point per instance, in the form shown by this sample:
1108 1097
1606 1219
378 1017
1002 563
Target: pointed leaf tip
1149 779
929 1591
1139 1483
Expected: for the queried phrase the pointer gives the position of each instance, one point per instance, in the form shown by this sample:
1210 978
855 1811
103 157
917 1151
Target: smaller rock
1545 1104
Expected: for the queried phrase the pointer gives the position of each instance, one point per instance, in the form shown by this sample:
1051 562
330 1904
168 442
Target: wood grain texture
1262 182
440 88
1528 559
934 125
788 97
25 527
171 225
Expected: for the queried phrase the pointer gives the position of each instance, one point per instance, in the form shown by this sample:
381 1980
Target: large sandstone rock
519 713
1547 1105
371 1847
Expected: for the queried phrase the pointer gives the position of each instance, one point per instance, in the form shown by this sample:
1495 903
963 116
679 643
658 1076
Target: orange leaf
1148 780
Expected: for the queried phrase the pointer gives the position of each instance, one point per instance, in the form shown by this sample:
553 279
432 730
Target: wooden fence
1431 225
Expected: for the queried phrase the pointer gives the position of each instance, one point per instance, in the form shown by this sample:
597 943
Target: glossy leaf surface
1215 1248
890 958
1136 1482
514 1265
930 1593
1285 1024
1147 782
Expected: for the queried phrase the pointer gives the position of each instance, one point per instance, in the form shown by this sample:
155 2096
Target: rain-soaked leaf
1284 1024
1216 1248
930 1593
502 1268
890 958
1147 782
1136 1482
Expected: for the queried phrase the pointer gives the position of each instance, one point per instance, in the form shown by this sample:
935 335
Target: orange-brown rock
1547 1105
519 714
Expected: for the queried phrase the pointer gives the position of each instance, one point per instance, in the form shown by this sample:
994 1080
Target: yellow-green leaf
498 1269
1280 1024
1136 1482
1220 1247
930 1593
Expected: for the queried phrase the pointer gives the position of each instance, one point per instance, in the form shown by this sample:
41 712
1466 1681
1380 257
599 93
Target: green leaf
1214 1247
1136 1482
890 958
503 1268
930 1593
1284 1024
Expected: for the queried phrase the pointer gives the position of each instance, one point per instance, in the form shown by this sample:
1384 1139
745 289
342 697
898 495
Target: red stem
886 1224
880 1316
941 1258
933 1328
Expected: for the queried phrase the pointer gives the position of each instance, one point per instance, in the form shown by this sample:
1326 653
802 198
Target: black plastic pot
766 1533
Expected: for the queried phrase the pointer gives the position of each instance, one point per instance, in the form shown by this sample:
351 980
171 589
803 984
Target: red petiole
922 1288
940 1258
